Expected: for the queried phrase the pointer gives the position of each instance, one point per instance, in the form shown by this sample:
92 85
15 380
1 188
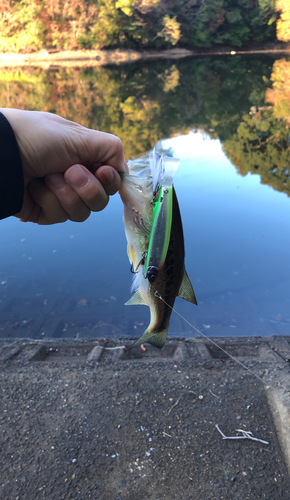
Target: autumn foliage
279 94
283 23
30 25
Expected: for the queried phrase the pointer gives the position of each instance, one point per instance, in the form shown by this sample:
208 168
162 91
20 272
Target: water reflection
243 101
71 281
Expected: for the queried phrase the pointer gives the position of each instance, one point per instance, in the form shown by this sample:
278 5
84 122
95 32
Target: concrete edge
103 57
281 415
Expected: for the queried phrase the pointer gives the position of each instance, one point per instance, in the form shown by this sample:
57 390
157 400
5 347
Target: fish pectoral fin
136 300
157 339
186 291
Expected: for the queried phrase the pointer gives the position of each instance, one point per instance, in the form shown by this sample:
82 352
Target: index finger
94 149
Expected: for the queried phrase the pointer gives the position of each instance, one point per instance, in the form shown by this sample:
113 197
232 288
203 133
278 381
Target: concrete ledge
86 58
86 403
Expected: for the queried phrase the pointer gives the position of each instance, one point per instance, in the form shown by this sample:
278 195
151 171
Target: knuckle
71 200
101 205
118 141
57 218
95 198
81 214
80 218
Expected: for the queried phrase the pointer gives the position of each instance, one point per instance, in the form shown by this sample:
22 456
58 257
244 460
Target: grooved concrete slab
93 420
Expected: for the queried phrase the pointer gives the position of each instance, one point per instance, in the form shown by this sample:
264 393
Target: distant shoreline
81 58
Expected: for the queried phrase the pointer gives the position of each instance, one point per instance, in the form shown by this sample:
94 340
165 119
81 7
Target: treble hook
132 269
141 263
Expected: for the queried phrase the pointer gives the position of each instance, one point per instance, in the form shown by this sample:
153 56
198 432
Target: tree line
31 25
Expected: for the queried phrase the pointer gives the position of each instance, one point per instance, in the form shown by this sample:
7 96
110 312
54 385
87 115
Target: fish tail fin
157 339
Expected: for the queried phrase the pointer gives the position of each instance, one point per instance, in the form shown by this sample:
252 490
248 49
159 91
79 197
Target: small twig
166 434
175 404
113 348
246 435
213 394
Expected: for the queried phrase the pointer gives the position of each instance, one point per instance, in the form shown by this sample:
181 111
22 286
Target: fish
155 242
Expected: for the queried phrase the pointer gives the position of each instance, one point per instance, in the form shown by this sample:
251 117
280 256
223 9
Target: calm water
71 280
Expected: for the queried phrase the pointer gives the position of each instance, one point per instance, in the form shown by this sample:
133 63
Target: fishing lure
160 233
162 205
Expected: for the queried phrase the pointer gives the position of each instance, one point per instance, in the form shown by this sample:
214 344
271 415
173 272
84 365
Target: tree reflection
261 146
242 101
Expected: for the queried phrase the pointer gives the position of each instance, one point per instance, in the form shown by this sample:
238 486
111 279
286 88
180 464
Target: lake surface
229 124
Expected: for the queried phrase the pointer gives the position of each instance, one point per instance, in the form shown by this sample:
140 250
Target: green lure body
160 233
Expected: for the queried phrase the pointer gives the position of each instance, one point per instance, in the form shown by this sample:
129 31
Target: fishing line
157 294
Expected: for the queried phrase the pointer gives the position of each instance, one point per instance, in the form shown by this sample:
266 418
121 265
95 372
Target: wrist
12 184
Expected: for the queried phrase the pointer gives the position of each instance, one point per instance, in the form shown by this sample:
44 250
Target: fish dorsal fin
136 300
185 290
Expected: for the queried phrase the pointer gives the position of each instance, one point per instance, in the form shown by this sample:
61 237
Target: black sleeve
11 174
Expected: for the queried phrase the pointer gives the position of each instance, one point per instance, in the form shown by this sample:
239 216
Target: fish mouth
135 187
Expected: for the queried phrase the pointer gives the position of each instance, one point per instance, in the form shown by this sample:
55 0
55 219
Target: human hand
68 170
